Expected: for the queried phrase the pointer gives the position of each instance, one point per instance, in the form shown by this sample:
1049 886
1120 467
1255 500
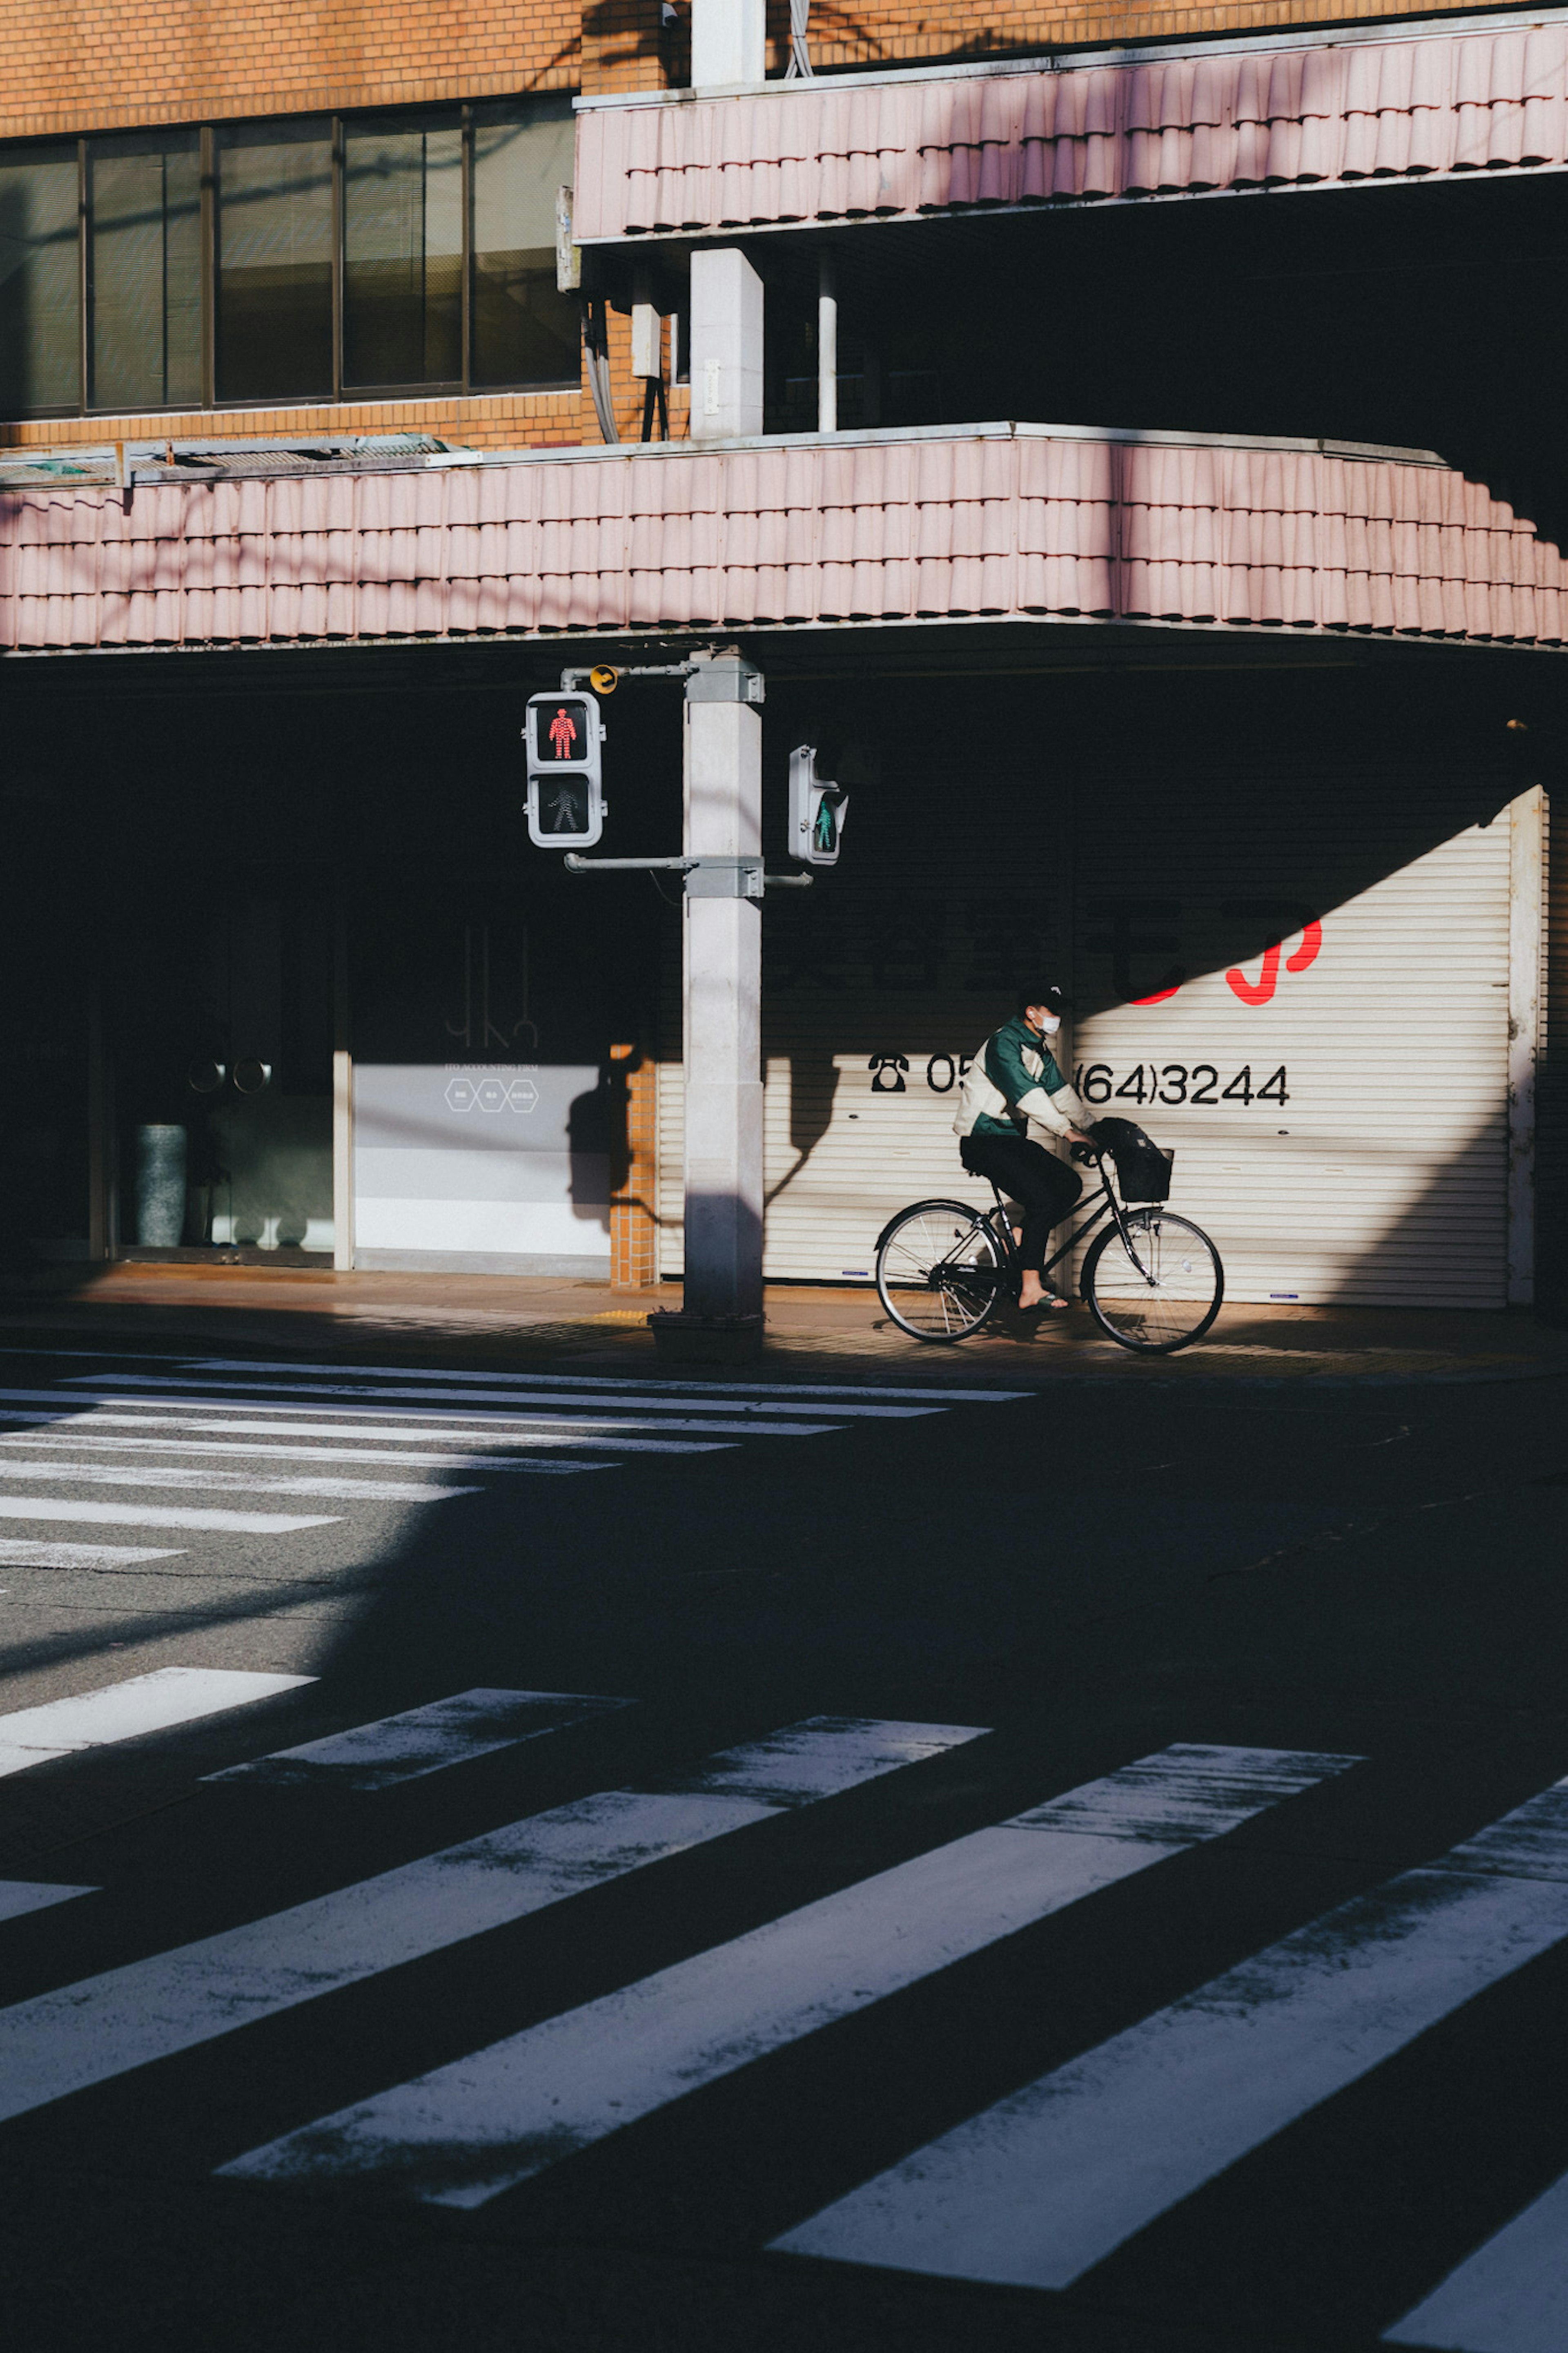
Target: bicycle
1152 1281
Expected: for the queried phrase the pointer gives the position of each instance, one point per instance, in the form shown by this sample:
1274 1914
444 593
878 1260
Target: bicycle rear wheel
938 1270
1163 1294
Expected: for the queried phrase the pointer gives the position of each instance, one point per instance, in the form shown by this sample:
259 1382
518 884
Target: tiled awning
1005 522
1426 104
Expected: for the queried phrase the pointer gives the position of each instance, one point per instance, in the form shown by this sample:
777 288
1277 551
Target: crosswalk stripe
954 1396
531 1395
1509 2296
85 2033
128 1709
527 1444
463 2133
1048 2182
21 1552
171 1516
20 1896
421 1740
595 1433
66 1432
98 1475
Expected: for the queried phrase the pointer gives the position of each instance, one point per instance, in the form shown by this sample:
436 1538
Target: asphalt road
836 1868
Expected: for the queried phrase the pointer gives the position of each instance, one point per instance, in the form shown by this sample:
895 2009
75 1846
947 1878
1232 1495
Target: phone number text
1102 1083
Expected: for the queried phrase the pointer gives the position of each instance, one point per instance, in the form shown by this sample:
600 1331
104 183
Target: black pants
1046 1187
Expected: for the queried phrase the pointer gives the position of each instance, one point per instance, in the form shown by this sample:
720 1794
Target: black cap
1042 992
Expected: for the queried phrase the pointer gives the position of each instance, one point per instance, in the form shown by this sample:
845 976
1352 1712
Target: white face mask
1050 1023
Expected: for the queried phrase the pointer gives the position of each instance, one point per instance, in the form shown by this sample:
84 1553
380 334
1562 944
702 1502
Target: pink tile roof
1011 523
829 151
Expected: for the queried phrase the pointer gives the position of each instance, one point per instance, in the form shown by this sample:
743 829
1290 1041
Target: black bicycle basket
1143 1166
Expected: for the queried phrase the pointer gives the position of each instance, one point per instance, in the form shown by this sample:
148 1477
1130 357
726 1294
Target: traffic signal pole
723 994
720 1318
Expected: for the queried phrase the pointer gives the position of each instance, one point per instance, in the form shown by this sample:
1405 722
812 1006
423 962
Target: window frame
341 121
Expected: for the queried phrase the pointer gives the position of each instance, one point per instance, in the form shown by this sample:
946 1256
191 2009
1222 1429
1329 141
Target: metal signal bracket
706 878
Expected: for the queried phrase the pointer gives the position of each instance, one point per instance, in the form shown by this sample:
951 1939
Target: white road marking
422 1739
67 1425
1509 2296
128 1710
21 1552
530 1394
67 1431
19 1897
98 1474
589 1432
957 1396
1046 2183
463 2133
84 2033
170 1516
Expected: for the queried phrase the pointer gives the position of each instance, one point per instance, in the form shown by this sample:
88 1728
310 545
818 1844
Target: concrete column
729 42
100 1204
1526 884
723 975
342 1101
827 346
647 338
726 346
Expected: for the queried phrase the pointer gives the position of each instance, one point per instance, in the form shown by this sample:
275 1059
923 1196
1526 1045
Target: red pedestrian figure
562 734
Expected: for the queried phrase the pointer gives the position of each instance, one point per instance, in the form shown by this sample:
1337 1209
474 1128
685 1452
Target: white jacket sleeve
1056 1113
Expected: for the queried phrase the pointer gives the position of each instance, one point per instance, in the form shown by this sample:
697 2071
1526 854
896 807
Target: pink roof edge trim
954 528
1435 103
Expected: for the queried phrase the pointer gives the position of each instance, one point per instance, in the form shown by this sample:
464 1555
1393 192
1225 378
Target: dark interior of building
1420 315
223 864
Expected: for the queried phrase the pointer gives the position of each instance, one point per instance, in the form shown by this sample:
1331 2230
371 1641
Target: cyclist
1014 1092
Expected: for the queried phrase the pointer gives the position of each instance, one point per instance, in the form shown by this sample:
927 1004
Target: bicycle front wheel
938 1270
1158 1291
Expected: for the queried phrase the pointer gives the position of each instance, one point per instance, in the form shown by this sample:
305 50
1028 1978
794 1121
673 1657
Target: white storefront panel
1315 1017
1338 1101
479 1168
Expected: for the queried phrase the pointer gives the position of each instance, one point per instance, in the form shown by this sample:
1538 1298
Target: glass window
274 260
524 332
40 319
403 253
144 272
386 253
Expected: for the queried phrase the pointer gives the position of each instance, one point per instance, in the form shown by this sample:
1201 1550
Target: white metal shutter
1389 1183
1341 1130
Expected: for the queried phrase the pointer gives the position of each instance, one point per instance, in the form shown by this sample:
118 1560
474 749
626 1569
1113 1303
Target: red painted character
562 734
1261 990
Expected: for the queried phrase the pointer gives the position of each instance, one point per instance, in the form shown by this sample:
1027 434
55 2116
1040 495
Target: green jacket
1014 1084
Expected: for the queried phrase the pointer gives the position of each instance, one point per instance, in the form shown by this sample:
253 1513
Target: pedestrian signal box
816 811
565 791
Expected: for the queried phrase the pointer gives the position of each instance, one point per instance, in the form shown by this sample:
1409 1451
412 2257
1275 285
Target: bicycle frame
1102 1204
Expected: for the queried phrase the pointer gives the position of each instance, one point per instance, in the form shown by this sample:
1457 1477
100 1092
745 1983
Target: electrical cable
597 359
799 66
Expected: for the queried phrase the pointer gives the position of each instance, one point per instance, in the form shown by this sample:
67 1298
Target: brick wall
496 420
633 1230
96 65
847 33
626 46
84 65
91 65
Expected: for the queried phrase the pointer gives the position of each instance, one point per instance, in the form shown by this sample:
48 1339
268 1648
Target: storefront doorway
218 1038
